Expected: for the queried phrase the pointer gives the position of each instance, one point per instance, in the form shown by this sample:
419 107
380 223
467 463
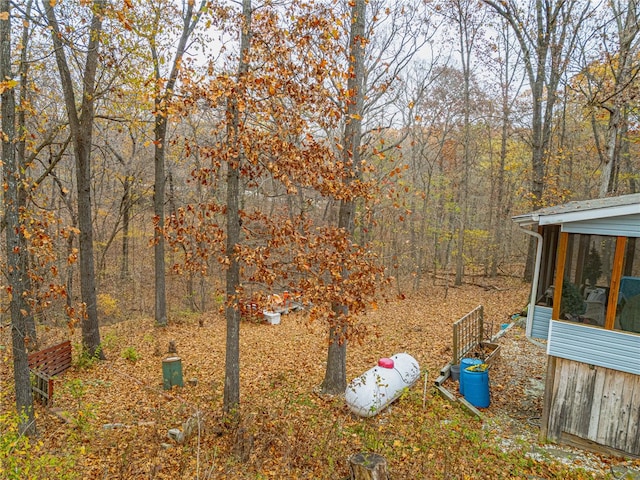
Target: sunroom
585 302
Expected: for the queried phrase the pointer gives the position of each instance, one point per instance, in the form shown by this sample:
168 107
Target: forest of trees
319 147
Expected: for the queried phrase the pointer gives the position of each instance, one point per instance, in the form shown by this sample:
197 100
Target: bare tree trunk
191 17
81 126
633 183
468 27
501 213
70 241
16 243
607 177
500 216
422 256
126 217
231 396
122 218
160 131
22 160
626 68
69 269
335 379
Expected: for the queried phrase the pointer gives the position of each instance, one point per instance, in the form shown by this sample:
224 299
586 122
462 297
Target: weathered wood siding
596 404
541 319
625 226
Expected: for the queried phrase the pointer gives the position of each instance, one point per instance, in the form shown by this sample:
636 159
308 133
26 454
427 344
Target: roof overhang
582 210
569 217
527 219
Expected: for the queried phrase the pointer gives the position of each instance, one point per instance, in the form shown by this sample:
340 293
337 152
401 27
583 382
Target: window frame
614 286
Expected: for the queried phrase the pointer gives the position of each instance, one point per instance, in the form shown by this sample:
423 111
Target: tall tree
509 88
335 379
16 248
468 22
612 84
270 103
153 22
163 96
81 127
23 161
231 396
547 36
624 70
383 38
547 32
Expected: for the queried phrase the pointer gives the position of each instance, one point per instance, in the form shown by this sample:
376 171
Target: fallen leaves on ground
118 422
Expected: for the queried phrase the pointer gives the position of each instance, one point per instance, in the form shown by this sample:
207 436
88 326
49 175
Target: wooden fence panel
467 333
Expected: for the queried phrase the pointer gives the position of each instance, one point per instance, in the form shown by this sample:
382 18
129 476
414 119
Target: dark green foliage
593 267
572 301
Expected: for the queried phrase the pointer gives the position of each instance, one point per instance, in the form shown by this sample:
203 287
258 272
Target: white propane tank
372 391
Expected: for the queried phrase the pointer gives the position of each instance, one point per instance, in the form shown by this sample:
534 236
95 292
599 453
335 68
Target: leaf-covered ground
117 414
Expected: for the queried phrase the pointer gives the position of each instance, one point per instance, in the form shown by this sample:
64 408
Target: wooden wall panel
595 404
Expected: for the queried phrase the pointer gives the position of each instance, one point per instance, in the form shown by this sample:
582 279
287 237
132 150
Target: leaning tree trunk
81 126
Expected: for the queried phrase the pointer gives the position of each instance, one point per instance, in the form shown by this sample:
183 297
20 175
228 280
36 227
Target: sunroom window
587 278
628 304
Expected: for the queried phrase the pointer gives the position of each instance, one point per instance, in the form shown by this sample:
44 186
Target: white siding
626 226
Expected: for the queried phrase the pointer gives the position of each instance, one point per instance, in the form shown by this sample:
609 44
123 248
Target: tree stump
368 466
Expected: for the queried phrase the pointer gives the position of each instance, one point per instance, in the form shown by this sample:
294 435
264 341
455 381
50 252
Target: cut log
368 466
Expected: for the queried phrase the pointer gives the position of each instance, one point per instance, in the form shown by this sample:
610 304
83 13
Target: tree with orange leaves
270 154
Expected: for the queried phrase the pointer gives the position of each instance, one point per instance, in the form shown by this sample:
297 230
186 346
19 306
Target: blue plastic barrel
476 388
464 364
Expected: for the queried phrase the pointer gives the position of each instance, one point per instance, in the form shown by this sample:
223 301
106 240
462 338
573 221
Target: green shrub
84 360
21 458
130 354
572 301
85 412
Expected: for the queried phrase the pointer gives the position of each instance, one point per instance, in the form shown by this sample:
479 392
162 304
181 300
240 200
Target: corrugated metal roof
582 210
